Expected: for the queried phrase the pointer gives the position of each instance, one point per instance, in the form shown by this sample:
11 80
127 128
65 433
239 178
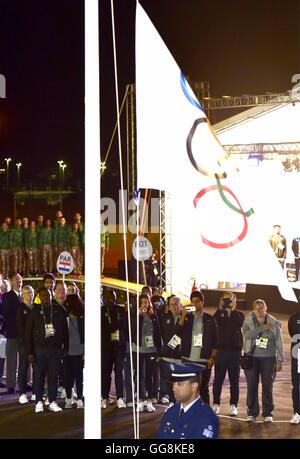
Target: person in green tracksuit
31 246
25 253
61 236
46 240
75 244
17 247
39 228
5 250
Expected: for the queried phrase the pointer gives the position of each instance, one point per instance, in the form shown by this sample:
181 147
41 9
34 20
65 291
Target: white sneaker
63 394
68 404
295 419
33 398
23 399
73 396
111 401
79 404
154 400
165 400
149 407
39 407
104 403
47 402
268 419
216 409
170 406
250 419
140 407
233 410
54 407
121 403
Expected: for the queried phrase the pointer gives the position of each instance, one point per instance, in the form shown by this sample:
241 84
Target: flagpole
138 317
92 371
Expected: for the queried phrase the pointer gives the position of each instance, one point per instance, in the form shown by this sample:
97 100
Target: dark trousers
265 368
23 372
296 386
297 266
2 362
204 391
47 362
127 371
113 359
146 374
74 373
165 375
227 361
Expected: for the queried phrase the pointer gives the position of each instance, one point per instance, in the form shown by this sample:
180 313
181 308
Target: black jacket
63 307
156 331
35 330
21 317
167 329
209 339
294 328
10 305
229 328
113 319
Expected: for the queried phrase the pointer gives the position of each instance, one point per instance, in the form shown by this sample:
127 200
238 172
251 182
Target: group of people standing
279 246
32 247
45 330
173 334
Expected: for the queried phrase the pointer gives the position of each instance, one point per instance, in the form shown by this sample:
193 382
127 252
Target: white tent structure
261 139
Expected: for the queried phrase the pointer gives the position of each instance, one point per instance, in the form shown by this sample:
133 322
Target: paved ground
21 422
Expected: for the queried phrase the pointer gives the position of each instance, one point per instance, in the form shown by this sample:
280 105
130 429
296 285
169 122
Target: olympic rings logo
219 187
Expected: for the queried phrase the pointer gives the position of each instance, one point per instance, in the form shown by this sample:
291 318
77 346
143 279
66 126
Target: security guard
190 418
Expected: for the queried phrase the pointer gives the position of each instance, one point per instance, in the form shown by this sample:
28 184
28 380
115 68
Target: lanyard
44 315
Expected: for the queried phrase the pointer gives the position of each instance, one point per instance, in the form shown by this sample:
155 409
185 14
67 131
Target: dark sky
42 59
240 47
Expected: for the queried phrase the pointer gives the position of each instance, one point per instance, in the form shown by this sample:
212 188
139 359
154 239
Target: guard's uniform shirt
199 422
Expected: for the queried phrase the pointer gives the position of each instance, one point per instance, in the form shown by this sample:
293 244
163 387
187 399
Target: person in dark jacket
171 347
199 339
229 322
75 359
148 343
22 313
113 340
294 332
47 340
10 304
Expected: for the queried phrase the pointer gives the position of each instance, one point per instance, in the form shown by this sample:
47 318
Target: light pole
18 174
60 163
7 170
63 166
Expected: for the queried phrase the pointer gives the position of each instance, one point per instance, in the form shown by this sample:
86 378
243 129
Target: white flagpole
92 382
137 376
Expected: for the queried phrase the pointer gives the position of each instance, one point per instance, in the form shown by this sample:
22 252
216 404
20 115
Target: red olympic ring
223 245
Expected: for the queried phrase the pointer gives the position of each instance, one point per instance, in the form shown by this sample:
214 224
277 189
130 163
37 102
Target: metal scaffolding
266 150
165 235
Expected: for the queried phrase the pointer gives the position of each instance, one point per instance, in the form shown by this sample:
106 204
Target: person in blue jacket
190 417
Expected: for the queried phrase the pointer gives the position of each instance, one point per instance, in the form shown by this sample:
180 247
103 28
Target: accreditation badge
149 341
49 330
115 336
174 342
198 340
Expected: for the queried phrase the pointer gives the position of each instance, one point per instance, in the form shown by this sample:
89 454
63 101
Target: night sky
42 59
240 47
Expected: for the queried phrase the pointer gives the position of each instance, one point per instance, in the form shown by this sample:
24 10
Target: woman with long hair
149 343
263 341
